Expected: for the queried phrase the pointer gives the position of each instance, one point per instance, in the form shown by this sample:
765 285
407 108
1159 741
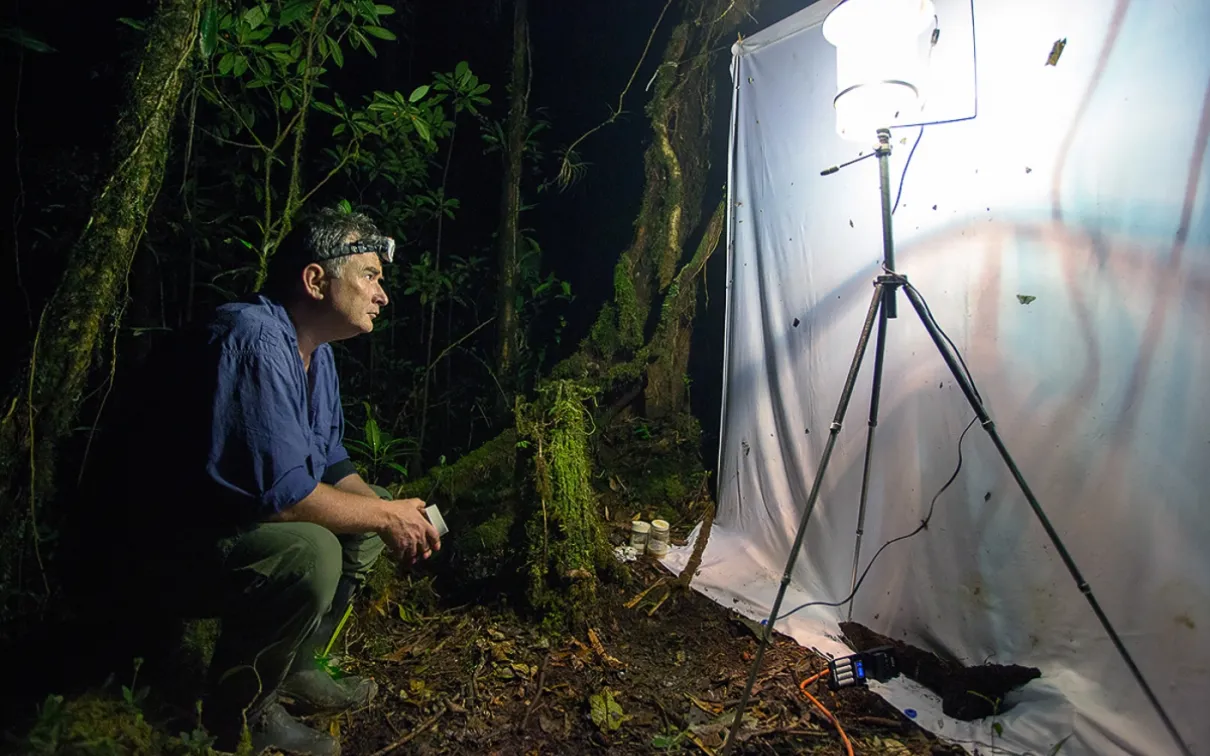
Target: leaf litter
482 680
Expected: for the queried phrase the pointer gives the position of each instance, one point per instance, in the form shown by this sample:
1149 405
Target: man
273 529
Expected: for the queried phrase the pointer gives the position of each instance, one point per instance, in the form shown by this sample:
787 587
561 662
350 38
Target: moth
1055 51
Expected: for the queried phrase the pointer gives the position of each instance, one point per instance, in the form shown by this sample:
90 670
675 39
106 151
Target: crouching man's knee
301 559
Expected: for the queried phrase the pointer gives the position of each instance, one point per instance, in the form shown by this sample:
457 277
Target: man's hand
407 532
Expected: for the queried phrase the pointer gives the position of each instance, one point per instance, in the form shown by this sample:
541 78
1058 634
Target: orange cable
848 747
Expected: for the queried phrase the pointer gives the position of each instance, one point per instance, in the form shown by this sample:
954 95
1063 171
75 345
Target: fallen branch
407 738
699 547
533 705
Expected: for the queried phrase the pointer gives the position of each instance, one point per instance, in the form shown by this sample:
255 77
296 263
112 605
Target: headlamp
383 245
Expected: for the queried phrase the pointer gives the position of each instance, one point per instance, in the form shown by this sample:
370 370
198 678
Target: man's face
357 296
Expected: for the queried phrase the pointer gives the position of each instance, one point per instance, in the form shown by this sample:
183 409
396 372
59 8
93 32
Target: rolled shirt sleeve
261 440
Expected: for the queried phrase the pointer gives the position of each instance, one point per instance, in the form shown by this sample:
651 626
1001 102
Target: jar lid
638 526
659 525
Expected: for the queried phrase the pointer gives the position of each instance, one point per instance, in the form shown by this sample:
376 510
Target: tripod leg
876 306
985 420
879 354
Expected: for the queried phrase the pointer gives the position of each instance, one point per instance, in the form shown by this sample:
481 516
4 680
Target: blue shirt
275 427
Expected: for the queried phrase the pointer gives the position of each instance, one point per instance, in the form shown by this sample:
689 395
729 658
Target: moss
92 724
491 535
630 315
604 336
565 538
484 474
198 641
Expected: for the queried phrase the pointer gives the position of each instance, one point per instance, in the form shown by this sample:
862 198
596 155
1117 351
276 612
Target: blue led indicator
860 670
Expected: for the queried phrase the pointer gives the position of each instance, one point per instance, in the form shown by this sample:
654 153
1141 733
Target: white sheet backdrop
1083 185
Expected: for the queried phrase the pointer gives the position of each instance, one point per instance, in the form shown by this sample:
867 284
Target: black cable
948 340
923 525
903 175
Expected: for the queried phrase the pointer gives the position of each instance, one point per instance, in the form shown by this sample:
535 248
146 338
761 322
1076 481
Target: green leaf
398 468
132 23
362 38
1025 298
225 62
373 435
240 66
383 10
462 69
338 129
209 33
999 729
665 741
480 89
1054 750
606 712
337 56
381 33
324 107
287 101
254 16
422 129
294 11
418 93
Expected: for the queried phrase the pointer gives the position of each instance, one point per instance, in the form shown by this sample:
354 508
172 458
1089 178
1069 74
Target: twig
659 603
533 705
407 738
565 170
632 603
881 722
473 698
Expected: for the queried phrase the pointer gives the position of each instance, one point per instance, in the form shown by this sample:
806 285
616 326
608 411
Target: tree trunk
86 307
653 271
510 203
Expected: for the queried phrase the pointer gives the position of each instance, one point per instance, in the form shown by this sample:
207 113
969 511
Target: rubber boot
277 730
309 688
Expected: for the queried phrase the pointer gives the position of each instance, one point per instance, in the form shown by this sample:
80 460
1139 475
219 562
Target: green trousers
271 585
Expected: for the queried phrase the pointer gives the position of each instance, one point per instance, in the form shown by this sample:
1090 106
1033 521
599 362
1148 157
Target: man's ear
315 281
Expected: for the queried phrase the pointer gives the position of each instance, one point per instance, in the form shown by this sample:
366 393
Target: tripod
883 307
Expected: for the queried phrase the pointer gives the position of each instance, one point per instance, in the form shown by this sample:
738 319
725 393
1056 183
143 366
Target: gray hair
320 239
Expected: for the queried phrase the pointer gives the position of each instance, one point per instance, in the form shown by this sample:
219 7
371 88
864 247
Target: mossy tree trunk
566 545
510 204
83 313
649 323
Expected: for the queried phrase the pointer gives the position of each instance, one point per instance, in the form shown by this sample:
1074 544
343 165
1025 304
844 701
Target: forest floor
479 681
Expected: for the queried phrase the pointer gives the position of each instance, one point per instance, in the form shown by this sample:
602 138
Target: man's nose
380 296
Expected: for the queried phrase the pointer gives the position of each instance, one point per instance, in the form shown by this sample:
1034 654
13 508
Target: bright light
882 52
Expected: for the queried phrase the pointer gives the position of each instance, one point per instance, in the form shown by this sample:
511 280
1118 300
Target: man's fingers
432 537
